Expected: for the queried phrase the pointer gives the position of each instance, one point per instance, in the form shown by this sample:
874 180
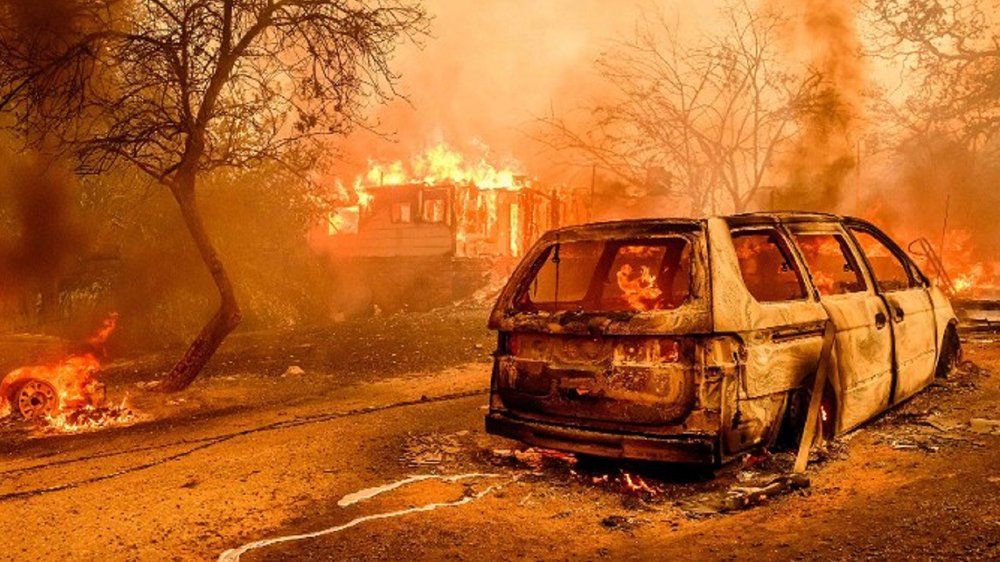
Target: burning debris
624 482
91 418
956 263
534 458
615 480
65 396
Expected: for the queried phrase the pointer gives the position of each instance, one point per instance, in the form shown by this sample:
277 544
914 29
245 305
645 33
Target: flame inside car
65 396
639 290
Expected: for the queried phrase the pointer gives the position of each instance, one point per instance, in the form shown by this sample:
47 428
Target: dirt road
242 458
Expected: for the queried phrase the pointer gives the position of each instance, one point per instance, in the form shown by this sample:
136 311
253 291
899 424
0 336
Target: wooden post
813 422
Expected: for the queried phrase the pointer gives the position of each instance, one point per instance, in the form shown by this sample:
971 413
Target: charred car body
696 340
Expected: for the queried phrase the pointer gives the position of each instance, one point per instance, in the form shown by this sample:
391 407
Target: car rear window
831 263
768 270
890 272
610 276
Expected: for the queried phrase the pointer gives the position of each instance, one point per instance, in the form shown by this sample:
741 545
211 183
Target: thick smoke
491 69
42 230
38 192
45 24
823 33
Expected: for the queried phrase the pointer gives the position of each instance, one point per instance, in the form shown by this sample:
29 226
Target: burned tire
951 353
34 399
794 421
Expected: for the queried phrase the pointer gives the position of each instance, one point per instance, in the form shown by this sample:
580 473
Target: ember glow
628 483
65 396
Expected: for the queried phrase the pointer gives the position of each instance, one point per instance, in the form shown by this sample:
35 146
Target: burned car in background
696 340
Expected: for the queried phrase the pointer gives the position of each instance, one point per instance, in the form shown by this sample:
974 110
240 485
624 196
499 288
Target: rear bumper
680 449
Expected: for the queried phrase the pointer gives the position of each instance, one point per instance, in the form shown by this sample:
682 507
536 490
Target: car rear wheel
797 408
34 399
951 353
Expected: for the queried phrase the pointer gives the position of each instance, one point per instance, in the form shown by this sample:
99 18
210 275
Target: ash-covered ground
364 440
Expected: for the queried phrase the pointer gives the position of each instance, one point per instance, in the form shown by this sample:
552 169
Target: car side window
889 270
830 261
767 267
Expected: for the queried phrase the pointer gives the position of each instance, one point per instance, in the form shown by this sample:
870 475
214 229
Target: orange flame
639 290
71 382
440 164
475 184
969 275
108 326
66 394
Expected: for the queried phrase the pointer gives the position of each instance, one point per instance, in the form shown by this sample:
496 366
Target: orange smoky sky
489 69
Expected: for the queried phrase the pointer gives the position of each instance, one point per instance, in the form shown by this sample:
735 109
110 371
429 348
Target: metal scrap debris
741 497
983 425
535 457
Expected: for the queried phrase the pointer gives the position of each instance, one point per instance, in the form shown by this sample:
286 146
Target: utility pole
857 179
944 228
593 187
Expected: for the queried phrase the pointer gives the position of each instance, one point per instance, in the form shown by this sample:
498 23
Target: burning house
444 219
441 222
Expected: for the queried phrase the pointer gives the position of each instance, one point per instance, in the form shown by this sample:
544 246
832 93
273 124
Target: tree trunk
226 318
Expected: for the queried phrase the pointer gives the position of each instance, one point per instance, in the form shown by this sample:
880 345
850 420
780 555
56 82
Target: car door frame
897 315
862 381
780 340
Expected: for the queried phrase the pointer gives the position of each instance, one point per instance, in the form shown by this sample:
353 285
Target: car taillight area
630 380
619 350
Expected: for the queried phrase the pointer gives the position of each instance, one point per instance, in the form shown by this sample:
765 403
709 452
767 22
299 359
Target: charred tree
950 50
177 89
699 119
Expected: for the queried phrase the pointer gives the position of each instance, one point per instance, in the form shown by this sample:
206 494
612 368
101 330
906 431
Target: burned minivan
695 340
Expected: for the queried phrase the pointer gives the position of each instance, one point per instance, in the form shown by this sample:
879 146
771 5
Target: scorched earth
364 453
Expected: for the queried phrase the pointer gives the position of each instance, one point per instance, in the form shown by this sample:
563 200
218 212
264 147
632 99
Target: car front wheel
951 353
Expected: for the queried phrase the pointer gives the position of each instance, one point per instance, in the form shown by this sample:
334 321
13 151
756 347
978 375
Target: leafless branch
710 114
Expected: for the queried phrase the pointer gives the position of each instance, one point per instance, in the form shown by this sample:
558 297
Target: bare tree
711 115
951 50
177 88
